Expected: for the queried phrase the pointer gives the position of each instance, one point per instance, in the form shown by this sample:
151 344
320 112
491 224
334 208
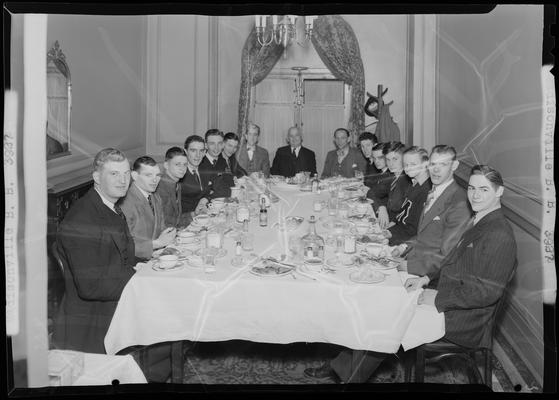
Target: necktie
294 153
118 210
177 186
197 178
213 162
151 204
429 200
393 183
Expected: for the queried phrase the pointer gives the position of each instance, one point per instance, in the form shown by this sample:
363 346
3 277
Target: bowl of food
168 260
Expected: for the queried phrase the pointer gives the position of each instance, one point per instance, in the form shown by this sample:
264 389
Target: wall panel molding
424 80
181 79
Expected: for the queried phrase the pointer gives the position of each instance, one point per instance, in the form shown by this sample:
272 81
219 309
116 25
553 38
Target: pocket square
437 218
471 246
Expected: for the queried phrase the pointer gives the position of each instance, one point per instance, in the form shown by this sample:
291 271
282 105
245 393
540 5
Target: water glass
333 206
317 206
247 241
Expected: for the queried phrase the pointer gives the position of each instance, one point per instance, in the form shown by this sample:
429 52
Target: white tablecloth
232 303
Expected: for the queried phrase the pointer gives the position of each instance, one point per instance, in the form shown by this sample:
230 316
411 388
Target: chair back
57 254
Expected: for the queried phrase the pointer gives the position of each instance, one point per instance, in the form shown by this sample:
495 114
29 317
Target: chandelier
283 31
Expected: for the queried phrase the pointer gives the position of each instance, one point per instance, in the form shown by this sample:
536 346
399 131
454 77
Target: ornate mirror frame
59 103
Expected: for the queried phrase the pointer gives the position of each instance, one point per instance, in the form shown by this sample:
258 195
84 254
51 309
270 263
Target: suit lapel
438 206
109 224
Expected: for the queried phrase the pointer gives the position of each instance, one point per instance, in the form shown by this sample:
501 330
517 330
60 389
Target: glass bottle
312 244
243 212
263 213
315 183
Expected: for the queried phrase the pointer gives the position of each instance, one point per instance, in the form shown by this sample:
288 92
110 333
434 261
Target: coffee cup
375 249
216 205
168 261
235 190
186 237
362 228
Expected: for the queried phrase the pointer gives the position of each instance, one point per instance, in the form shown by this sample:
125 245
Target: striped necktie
151 204
119 212
197 178
429 200
393 183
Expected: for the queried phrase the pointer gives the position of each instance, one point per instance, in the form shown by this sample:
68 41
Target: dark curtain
256 63
337 46
387 130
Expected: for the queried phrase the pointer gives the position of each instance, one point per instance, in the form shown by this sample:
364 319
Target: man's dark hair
444 149
342 130
492 175
368 136
143 160
173 152
380 146
423 155
213 132
231 136
396 147
193 138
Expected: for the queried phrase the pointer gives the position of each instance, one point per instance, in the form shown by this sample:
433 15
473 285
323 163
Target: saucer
156 267
366 276
334 263
218 253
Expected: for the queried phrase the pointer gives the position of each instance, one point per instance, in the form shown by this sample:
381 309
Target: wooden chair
441 349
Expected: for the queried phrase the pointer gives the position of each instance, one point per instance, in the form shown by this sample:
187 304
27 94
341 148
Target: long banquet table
232 303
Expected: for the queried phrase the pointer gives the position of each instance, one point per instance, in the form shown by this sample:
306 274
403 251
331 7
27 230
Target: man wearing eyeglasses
196 188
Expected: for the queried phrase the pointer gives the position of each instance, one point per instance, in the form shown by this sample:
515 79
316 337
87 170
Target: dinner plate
270 269
217 254
176 267
372 238
329 222
366 276
243 261
380 263
306 188
336 263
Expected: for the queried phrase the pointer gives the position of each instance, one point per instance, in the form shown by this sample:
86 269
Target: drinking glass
332 206
247 241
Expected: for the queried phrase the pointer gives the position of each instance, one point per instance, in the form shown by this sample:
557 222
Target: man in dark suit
398 183
230 147
196 189
144 210
213 165
444 216
98 254
471 282
294 158
379 184
251 157
169 188
367 141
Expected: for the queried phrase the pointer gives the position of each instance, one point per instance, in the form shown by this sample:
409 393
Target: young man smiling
213 165
144 211
405 224
444 216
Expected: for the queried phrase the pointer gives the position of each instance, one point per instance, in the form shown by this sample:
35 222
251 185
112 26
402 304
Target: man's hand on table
202 207
427 297
166 237
416 283
383 217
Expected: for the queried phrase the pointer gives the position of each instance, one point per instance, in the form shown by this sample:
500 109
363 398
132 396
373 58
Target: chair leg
409 361
419 365
177 362
488 368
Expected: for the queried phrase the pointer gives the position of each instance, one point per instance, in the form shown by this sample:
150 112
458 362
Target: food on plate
170 251
270 268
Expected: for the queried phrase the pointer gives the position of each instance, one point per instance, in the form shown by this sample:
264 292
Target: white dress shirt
437 191
106 201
